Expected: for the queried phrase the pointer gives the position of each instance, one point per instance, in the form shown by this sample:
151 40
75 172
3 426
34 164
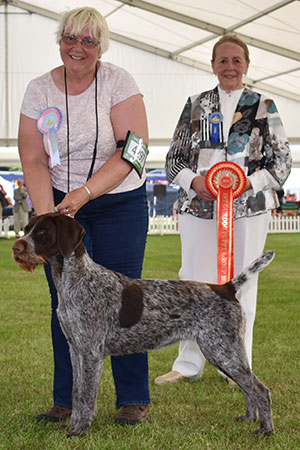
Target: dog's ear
69 234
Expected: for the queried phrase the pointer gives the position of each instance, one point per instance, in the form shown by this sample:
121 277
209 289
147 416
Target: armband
120 144
135 152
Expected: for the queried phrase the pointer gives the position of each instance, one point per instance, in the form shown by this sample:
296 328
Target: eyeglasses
85 42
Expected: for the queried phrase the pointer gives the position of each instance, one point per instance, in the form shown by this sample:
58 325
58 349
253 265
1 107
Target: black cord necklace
68 128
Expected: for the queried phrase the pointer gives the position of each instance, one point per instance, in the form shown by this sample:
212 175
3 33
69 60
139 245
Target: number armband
135 152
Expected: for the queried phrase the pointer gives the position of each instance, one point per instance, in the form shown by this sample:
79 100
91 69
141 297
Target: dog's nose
18 247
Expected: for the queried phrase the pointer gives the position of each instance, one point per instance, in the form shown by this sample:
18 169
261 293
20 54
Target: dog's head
45 236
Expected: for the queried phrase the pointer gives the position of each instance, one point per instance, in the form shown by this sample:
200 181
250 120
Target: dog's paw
82 430
75 433
245 417
264 432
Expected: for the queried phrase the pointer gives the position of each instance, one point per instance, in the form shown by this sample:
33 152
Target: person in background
249 133
90 106
3 200
21 207
281 199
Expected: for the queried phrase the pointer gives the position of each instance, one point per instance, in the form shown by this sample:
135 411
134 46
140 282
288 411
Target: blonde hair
235 40
79 19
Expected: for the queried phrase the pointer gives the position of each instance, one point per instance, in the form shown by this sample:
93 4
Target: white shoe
170 377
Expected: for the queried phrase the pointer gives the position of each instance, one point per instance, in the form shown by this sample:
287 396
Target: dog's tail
254 268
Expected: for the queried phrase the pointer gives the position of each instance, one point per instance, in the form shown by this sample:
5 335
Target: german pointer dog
102 313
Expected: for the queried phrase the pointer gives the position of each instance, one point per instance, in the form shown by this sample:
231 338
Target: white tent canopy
166 45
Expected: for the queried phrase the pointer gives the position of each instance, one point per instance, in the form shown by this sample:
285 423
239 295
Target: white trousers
199 263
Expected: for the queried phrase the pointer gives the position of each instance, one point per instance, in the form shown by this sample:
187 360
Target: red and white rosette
225 181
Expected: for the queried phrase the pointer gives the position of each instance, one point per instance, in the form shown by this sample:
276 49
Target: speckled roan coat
102 313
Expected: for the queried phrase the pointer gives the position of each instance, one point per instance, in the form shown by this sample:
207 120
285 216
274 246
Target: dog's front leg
87 365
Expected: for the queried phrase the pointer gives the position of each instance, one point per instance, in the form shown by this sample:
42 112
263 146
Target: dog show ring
225 181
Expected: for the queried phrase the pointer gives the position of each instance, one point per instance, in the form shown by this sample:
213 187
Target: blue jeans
116 230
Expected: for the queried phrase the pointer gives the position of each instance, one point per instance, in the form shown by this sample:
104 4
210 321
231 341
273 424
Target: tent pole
6 77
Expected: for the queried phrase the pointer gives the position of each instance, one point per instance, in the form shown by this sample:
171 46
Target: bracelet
88 191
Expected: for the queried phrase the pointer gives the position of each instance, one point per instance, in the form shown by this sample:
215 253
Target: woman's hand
73 201
199 186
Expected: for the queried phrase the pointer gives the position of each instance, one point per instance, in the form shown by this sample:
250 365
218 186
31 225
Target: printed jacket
256 142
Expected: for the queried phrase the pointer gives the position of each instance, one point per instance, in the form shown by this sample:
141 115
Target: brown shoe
132 415
170 377
55 414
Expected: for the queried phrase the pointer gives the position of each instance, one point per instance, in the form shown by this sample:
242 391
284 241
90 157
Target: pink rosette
48 124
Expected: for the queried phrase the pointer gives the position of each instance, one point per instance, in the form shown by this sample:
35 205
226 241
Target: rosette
48 124
225 181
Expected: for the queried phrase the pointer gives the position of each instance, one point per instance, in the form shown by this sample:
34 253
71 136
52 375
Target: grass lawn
197 415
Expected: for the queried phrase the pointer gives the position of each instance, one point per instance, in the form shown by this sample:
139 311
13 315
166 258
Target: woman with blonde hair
73 124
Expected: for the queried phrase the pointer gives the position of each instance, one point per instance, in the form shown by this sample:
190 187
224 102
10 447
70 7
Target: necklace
68 127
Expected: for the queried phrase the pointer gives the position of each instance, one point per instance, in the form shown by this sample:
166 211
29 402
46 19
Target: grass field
197 415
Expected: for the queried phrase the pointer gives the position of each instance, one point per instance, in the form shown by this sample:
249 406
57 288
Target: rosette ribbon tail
225 234
53 148
225 181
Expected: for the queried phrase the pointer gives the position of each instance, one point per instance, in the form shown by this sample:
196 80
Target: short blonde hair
234 40
79 19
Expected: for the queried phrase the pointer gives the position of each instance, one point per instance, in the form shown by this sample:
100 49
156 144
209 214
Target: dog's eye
41 232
